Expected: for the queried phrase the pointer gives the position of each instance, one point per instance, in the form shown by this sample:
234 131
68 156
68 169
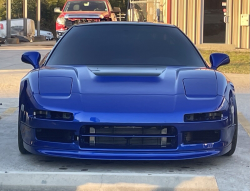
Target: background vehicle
48 35
2 40
154 98
77 12
17 28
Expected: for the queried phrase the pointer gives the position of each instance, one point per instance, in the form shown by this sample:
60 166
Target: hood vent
127 70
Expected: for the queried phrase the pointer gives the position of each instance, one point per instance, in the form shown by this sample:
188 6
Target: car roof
126 23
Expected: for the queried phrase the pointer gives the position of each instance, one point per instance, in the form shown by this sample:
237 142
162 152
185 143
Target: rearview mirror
32 58
116 10
219 59
57 10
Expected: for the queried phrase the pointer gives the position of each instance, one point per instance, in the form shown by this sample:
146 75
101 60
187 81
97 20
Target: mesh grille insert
138 137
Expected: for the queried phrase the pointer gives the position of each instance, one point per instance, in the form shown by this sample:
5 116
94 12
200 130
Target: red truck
83 11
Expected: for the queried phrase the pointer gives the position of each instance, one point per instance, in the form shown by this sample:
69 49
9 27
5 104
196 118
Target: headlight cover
55 86
200 87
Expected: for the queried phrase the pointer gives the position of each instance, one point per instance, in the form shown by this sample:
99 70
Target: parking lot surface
230 173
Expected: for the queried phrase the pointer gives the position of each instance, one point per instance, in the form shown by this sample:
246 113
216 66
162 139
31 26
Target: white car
17 27
48 35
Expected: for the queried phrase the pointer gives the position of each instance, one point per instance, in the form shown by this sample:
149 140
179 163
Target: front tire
20 139
234 119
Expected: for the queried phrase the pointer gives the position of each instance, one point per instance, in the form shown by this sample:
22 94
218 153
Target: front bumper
60 33
50 37
182 151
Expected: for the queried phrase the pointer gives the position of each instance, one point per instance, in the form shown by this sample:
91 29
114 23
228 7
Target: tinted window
86 6
124 45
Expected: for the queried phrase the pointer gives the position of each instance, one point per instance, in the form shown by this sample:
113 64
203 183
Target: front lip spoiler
125 155
129 155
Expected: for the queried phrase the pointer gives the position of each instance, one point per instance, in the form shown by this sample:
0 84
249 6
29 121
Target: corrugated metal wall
188 15
244 30
238 35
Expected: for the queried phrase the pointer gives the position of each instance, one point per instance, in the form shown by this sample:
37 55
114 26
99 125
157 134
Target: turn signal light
213 116
54 115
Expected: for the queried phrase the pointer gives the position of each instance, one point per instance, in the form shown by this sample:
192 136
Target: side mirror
218 59
116 10
32 58
57 10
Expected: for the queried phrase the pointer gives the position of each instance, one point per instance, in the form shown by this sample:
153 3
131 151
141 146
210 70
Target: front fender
225 86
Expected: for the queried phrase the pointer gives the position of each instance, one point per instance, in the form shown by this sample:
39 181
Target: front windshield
86 6
127 44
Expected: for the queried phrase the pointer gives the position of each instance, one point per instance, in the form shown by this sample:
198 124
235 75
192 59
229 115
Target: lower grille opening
55 135
128 137
199 137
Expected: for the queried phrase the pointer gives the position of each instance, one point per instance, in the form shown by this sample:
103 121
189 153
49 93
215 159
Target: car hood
132 80
109 90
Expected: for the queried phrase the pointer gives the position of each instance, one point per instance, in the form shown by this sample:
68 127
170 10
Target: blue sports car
126 91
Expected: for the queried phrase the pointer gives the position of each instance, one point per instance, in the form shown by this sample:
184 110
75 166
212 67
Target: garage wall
240 34
188 16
